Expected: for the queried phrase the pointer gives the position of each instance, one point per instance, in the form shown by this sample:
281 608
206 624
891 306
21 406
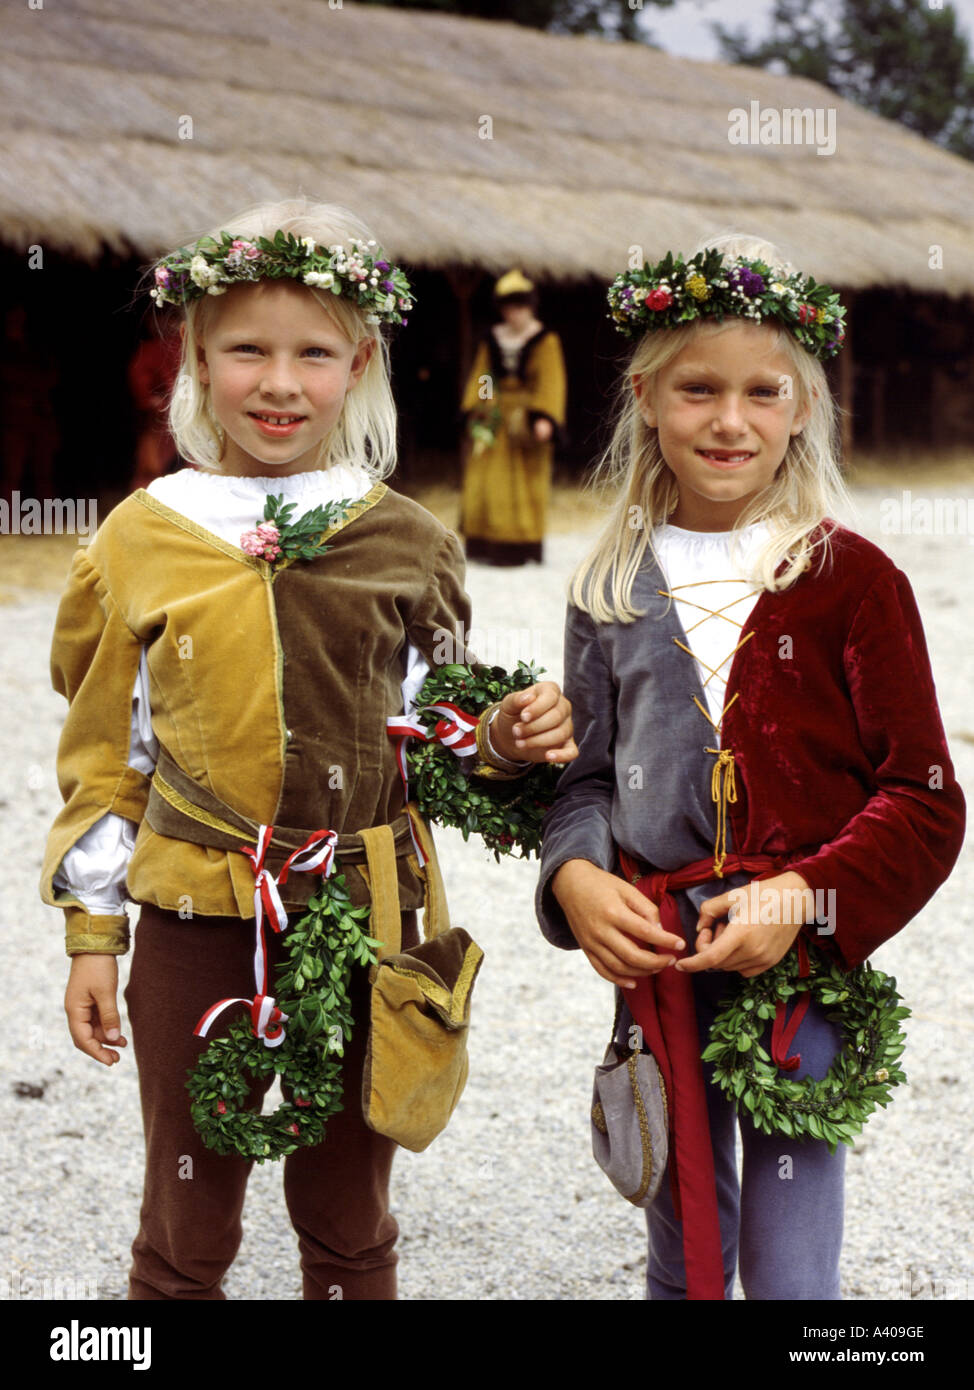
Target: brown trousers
337 1192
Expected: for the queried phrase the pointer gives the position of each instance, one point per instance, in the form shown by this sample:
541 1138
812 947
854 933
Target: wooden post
847 378
464 280
879 407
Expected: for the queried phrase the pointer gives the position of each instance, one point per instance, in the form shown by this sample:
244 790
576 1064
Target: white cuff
515 762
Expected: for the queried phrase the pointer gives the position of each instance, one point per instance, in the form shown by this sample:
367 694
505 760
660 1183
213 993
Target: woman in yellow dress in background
513 403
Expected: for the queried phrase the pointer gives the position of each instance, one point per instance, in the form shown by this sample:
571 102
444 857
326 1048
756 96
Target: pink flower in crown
245 248
162 276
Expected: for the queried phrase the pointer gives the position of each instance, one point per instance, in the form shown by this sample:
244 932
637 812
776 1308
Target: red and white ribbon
456 730
266 1018
266 895
315 856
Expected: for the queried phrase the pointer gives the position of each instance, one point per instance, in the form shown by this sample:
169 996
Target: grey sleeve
578 826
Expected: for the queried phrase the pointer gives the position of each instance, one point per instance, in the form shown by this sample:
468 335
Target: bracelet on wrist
494 763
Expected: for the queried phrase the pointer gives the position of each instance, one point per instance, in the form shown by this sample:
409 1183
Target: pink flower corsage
262 542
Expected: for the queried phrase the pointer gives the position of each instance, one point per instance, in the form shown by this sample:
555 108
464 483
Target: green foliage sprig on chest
311 988
301 539
277 538
863 1002
507 814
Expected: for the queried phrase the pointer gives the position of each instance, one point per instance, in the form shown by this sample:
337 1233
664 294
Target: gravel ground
508 1203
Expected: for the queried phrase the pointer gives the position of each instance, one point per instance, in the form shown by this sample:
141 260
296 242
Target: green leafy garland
835 1108
676 292
311 988
507 814
358 271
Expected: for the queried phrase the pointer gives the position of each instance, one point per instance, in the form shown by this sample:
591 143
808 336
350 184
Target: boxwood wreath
507 814
835 1108
311 988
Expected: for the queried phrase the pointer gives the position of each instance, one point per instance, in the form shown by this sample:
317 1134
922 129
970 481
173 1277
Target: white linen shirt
706 559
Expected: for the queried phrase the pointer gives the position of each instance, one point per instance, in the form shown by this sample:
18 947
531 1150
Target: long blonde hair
365 433
807 487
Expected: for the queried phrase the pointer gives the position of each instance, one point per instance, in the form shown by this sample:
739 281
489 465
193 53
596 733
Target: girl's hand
90 1004
613 922
755 926
535 725
543 430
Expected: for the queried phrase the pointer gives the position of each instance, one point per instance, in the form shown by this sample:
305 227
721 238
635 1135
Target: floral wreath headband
674 293
356 271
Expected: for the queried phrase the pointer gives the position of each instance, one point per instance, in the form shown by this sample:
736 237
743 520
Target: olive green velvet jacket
269 687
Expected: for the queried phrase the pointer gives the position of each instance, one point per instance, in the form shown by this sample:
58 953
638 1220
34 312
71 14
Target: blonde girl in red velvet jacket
752 696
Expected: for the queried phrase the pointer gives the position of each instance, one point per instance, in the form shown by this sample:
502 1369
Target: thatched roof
596 145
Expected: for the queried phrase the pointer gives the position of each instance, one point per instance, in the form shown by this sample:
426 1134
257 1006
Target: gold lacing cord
723 784
709 612
723 789
713 670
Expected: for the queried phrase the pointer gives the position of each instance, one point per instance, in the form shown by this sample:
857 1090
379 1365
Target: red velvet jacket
840 761
839 748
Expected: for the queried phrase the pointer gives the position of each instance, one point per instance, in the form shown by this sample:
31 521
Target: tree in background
899 58
610 18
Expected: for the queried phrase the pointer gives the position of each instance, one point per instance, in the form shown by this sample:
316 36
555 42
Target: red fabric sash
663 1007
782 1034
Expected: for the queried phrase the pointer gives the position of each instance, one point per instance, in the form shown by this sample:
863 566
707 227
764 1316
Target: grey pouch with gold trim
629 1123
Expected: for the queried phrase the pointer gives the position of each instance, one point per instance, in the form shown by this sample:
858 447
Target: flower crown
357 271
678 292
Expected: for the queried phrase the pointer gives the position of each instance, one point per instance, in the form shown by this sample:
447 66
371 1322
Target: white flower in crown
308 242
202 273
777 287
216 289
320 279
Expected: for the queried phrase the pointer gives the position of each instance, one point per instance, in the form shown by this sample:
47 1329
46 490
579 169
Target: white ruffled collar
339 481
758 530
228 505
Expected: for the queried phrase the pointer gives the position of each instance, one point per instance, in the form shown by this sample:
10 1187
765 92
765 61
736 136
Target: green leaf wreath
311 988
507 814
865 1004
